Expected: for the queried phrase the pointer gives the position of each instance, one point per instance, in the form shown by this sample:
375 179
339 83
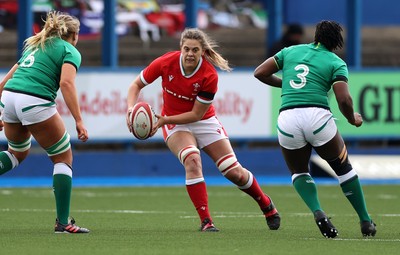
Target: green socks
62 185
305 186
352 190
7 162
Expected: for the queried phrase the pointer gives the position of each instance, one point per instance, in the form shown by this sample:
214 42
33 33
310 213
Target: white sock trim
62 168
249 182
294 176
194 181
348 176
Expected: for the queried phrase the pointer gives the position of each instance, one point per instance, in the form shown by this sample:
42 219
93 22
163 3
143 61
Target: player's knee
21 156
190 158
239 176
341 164
63 145
228 163
190 151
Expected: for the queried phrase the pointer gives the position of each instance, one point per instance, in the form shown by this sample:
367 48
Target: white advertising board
373 167
242 104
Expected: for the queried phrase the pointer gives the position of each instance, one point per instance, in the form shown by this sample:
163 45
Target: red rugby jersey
179 90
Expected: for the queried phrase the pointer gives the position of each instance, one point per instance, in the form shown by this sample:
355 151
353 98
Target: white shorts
299 126
25 109
205 131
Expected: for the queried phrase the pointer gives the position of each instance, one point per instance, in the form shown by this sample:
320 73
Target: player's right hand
82 132
1 120
128 119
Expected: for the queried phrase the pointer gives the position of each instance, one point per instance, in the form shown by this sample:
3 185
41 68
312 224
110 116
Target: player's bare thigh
16 132
218 149
48 133
331 149
179 140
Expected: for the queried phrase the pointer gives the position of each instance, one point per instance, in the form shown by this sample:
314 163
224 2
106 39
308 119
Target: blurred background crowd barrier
119 37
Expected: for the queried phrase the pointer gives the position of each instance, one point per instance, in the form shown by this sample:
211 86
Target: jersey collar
320 46
195 70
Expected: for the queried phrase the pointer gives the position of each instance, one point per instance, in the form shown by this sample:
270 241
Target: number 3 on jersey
29 60
301 76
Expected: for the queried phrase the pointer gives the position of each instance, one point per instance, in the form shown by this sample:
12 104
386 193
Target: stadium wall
247 109
374 13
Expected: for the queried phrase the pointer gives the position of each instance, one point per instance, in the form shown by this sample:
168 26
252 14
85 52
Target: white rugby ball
143 120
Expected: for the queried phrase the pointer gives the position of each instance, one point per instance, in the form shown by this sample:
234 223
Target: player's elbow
65 84
257 73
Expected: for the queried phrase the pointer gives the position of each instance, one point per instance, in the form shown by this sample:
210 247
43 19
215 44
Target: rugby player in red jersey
189 123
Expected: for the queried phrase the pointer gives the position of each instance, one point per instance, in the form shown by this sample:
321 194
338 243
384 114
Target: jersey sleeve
209 89
340 72
279 58
72 56
152 71
25 53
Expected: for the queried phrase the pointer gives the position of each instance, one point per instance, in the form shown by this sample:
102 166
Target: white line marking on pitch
188 214
372 239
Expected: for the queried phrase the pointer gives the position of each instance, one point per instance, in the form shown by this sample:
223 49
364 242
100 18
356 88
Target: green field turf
161 220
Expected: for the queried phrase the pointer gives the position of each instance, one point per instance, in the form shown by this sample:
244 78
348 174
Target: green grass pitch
162 220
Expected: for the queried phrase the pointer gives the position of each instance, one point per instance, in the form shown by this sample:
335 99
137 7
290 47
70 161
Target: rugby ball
143 120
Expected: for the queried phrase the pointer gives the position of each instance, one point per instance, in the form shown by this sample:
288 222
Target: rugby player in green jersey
49 63
305 122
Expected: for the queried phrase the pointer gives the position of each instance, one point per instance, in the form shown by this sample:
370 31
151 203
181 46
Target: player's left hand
160 122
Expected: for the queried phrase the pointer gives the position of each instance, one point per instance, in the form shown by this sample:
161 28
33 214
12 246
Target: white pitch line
367 239
186 214
217 215
93 211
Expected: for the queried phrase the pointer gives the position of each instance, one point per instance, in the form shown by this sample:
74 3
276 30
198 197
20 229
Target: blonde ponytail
57 24
208 45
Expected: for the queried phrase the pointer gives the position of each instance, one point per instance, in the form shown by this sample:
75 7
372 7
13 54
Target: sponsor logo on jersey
170 77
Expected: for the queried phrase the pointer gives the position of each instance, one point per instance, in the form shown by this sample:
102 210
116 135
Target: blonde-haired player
49 63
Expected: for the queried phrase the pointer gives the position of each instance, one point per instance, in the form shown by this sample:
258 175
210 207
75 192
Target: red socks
198 194
256 193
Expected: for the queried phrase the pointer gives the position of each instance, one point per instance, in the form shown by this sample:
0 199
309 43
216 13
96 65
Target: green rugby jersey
39 71
308 73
